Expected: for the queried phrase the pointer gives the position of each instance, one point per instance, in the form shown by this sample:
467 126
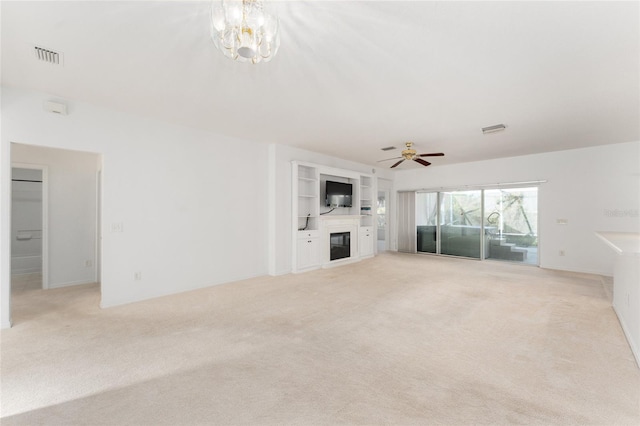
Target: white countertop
626 243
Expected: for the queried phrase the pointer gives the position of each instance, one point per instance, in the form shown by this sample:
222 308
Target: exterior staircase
499 248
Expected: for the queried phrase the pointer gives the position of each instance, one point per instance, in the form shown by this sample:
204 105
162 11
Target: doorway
55 243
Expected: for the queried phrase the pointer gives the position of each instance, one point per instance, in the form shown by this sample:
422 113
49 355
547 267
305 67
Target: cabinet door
366 241
308 253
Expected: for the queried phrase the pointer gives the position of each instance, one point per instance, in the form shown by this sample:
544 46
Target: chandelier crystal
244 31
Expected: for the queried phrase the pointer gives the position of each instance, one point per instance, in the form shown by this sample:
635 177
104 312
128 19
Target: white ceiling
353 77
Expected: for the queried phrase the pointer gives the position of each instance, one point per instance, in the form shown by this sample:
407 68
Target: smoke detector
47 55
55 107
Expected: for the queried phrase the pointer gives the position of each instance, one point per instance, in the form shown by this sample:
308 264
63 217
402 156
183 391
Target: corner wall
595 189
191 214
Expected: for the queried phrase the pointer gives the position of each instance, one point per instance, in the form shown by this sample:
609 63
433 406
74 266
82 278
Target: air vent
389 148
47 55
493 129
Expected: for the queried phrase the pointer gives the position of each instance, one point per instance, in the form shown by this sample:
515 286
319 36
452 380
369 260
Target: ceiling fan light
409 153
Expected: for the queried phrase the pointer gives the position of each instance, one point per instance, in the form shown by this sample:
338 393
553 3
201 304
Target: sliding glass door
499 224
511 221
461 223
427 221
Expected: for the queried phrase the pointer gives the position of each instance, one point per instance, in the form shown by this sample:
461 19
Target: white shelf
306 196
366 201
308 179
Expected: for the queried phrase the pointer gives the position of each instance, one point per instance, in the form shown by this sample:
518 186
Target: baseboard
119 302
70 283
625 330
5 324
25 271
578 270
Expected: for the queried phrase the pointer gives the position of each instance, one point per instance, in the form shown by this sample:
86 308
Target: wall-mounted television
338 194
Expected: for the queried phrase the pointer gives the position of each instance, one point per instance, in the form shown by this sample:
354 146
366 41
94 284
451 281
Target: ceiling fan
411 154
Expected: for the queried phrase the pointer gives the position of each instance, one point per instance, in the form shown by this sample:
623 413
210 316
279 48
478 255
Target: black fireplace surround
340 245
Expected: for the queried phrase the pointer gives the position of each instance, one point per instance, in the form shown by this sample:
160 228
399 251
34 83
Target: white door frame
385 185
45 215
98 249
387 195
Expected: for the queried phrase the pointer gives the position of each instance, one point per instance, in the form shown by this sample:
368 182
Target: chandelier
244 31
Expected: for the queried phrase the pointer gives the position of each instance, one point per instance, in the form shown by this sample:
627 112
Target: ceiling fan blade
421 161
397 163
433 154
387 159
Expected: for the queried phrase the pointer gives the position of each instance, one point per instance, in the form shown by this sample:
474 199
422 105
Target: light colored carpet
399 339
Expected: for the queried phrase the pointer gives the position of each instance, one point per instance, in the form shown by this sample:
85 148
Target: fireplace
339 239
339 245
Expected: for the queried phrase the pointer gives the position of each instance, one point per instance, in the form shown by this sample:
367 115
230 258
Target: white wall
193 212
72 201
280 208
595 189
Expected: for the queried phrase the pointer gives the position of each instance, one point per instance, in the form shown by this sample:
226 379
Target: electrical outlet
561 253
88 263
117 227
137 276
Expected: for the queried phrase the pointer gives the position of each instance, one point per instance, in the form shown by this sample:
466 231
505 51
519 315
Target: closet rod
26 180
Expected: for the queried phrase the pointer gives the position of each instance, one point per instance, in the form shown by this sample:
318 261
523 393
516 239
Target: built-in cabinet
311 219
308 249
366 241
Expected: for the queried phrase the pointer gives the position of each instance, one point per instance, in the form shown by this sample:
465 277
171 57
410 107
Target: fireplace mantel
338 224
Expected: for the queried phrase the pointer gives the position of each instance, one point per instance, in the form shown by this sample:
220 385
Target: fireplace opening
340 245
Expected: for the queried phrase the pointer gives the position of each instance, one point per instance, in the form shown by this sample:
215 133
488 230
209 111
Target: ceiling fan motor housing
409 153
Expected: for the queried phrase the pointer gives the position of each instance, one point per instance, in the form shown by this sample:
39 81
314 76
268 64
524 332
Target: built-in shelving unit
312 221
308 194
366 201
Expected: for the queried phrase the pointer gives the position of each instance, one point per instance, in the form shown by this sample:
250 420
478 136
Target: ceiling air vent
493 129
47 55
389 148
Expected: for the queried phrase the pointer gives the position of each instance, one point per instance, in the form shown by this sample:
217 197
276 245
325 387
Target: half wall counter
626 284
